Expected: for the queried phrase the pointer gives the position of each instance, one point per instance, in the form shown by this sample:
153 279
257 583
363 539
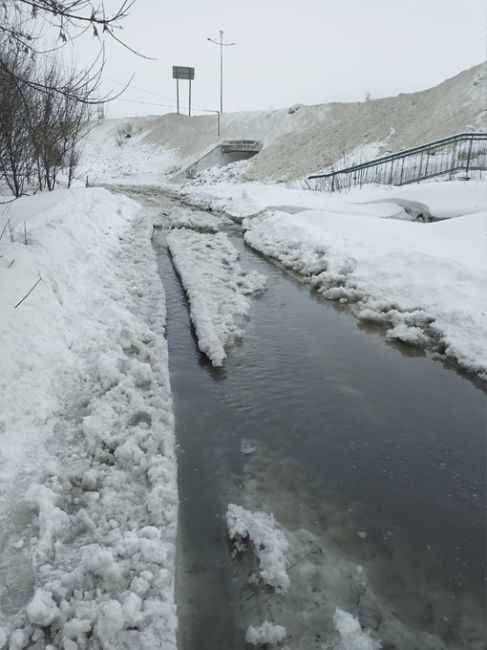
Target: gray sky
289 51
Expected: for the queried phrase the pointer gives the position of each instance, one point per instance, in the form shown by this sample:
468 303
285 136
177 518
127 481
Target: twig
4 228
28 293
25 234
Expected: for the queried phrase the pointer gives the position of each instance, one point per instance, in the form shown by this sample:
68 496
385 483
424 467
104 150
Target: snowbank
218 289
440 199
268 540
109 155
296 144
241 200
425 282
86 429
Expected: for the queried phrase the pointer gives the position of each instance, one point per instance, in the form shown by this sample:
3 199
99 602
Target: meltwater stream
378 453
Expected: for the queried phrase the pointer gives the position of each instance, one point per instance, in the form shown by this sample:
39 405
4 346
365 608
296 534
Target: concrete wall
218 158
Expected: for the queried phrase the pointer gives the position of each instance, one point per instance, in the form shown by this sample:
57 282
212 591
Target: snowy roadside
218 289
425 282
88 474
239 200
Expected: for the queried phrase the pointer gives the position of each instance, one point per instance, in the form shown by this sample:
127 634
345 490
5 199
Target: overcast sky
289 51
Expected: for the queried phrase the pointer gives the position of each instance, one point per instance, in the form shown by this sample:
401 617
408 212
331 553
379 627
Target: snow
295 144
351 635
218 293
124 160
87 466
438 199
42 609
443 200
265 633
425 282
268 541
240 200
88 505
181 217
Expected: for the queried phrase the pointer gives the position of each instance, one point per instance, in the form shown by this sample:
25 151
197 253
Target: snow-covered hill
295 143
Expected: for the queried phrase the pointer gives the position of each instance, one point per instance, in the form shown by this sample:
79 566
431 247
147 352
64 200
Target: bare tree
40 129
22 22
16 156
63 15
45 109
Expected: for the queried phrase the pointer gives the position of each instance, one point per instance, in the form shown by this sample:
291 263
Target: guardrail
462 152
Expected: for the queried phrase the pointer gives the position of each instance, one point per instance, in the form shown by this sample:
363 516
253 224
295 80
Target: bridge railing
464 152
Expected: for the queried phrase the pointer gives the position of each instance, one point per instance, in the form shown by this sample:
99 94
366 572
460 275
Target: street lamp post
222 45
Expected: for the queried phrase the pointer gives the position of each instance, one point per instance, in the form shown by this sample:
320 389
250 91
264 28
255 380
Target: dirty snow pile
218 289
231 173
87 469
268 541
424 282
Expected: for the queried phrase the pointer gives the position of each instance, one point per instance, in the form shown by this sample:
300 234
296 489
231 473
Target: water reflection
351 437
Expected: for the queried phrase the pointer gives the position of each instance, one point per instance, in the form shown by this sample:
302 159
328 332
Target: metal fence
464 152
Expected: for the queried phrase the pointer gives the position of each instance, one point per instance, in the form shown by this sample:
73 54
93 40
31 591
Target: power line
149 92
136 101
143 90
154 94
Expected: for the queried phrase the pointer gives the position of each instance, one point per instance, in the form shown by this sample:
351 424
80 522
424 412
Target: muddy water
379 452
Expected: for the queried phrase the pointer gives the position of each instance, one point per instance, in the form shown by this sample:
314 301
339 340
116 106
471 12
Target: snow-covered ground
424 281
88 505
87 470
218 289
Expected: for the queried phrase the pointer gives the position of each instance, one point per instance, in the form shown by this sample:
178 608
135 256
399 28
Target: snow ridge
105 517
218 289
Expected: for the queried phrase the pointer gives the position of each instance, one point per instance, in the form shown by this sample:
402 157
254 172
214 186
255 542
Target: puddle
348 436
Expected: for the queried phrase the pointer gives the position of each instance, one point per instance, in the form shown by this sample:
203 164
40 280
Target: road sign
181 72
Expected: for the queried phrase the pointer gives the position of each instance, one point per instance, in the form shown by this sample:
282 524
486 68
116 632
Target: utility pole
222 45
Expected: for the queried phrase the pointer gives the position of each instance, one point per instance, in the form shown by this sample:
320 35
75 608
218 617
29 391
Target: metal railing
464 152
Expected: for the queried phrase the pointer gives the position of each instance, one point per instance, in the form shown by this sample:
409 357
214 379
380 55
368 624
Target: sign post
182 72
